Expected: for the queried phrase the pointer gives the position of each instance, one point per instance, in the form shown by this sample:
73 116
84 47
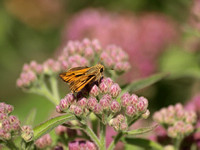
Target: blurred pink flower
194 104
144 38
110 133
195 14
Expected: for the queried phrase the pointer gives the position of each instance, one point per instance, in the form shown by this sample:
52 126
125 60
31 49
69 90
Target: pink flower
144 38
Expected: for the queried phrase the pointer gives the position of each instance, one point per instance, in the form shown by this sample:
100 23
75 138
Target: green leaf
29 120
144 143
180 63
140 130
51 124
140 84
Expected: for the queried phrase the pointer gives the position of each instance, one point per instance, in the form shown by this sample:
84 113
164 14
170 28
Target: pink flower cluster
195 11
75 54
82 145
9 124
61 130
194 104
144 38
105 100
89 52
44 141
177 121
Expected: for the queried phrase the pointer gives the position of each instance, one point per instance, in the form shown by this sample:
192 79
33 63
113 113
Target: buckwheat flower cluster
44 142
85 145
104 101
177 121
9 124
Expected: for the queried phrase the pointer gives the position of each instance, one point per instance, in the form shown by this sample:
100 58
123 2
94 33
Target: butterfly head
100 67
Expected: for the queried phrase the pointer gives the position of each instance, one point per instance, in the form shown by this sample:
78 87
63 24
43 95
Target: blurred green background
33 30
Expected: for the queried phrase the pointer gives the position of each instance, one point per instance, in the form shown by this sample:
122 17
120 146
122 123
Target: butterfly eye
101 70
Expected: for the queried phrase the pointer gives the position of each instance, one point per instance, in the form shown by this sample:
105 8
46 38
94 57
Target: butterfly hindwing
81 82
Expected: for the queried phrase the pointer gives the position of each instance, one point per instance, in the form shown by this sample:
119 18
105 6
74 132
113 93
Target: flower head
177 121
75 145
158 30
108 106
9 124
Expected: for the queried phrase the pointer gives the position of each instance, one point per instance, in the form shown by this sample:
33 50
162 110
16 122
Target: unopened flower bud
3 116
89 52
125 99
133 99
91 103
103 87
70 98
78 111
109 81
188 129
72 108
82 102
131 110
171 132
115 90
73 145
115 106
94 91
58 109
90 145
123 126
63 104
142 105
98 109
27 133
146 114
104 103
120 117
190 117
107 97
9 108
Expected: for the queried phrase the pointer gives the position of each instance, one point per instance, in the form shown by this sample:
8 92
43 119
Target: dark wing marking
70 75
81 82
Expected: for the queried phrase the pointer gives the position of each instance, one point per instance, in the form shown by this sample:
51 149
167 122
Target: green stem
114 142
11 145
102 136
178 143
44 91
54 88
92 135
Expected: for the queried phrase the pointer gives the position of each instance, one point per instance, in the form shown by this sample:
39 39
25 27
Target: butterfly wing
73 73
78 78
81 82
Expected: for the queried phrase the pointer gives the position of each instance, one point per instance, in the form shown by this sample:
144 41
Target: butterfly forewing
79 77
